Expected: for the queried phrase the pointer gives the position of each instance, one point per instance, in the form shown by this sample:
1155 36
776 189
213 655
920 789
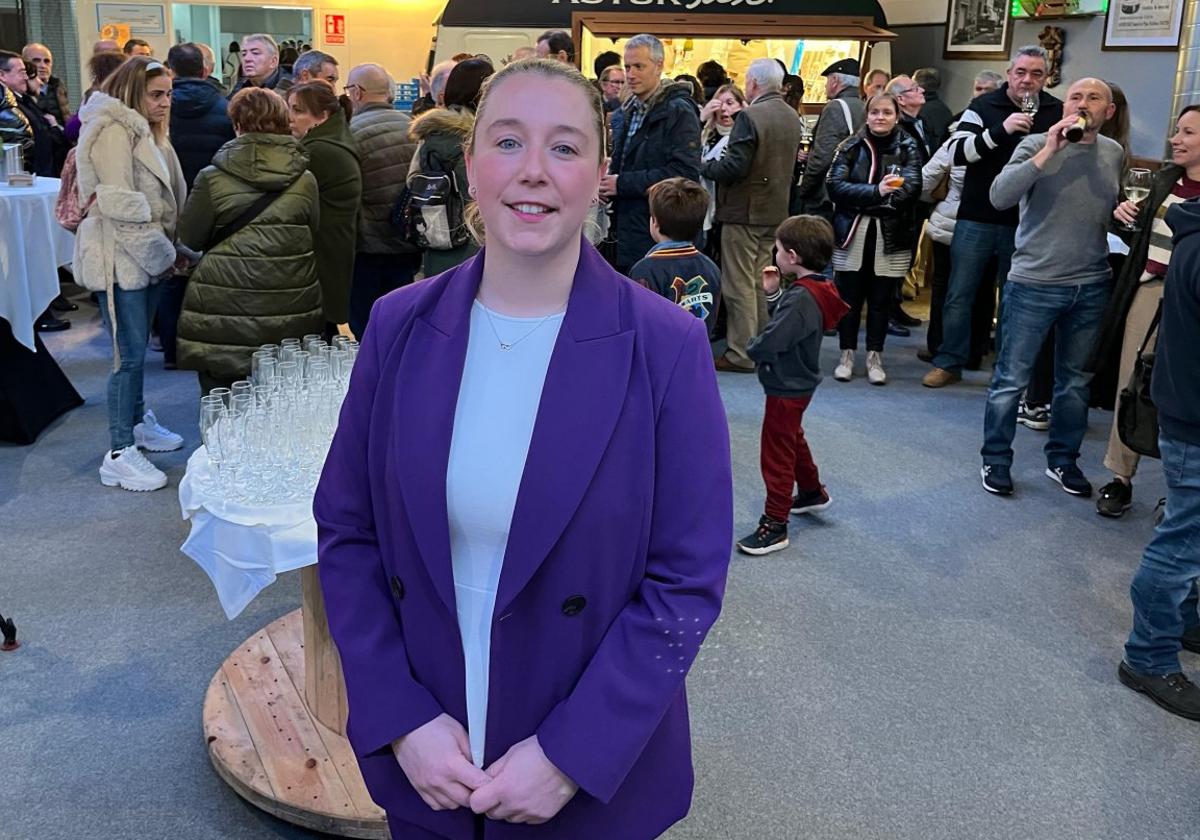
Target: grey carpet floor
925 661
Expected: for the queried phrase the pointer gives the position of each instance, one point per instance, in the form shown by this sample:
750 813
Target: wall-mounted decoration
142 19
978 29
1057 8
1143 25
1053 39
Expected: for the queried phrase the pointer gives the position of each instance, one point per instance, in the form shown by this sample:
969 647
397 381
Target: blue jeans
135 312
973 245
1027 313
1164 587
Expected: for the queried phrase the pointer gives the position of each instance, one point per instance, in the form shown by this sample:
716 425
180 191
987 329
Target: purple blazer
615 566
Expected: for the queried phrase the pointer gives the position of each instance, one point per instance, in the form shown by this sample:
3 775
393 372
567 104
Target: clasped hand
522 786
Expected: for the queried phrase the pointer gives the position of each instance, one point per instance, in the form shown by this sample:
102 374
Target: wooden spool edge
290 811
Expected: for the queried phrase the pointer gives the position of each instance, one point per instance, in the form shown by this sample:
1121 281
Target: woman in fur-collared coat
440 135
125 245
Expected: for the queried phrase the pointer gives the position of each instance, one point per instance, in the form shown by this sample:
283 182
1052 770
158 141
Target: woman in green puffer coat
259 285
321 126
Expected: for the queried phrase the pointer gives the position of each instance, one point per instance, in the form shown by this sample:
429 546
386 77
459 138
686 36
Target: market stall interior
805 42
806 35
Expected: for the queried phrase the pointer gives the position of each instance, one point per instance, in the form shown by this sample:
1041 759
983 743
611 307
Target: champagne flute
1137 189
210 419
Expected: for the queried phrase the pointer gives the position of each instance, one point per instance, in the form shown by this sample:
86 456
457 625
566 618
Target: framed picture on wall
978 29
1143 25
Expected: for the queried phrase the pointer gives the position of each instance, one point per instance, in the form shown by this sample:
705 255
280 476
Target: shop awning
556 14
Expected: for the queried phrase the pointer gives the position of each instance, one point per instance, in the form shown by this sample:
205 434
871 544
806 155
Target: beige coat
127 239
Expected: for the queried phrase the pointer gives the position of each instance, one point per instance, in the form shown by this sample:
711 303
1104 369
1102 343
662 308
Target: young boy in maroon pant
788 357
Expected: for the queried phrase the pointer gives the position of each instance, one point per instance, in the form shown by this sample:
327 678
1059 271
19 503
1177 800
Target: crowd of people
225 216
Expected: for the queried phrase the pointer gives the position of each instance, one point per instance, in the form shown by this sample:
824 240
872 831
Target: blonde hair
128 85
546 68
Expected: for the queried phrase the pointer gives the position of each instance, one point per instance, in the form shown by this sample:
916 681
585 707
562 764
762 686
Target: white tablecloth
32 247
242 547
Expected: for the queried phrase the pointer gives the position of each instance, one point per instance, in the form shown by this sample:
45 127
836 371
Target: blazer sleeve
386 702
630 683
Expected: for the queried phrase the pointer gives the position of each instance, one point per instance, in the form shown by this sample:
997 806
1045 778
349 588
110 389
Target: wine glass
1029 104
1137 189
892 178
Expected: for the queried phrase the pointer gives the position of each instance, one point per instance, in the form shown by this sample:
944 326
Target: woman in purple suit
525 517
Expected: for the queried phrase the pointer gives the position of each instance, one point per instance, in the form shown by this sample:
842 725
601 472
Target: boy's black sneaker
770 536
997 479
1174 692
1116 497
1071 478
812 501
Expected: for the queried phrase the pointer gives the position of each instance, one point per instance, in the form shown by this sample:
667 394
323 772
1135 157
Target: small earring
471 190
595 200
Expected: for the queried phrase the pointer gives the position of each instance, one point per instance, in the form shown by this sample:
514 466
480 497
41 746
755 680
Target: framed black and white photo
978 29
1143 25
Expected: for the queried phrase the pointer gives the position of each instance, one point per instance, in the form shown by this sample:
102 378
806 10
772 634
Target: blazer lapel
582 398
428 380
156 164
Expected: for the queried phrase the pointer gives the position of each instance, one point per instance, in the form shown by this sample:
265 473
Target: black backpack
429 212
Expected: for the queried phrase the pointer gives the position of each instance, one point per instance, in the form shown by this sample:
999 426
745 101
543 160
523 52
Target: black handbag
1137 416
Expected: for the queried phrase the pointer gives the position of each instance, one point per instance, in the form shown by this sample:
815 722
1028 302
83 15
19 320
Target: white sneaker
131 471
153 437
845 369
875 372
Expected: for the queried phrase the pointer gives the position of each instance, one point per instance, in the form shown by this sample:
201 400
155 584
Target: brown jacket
754 178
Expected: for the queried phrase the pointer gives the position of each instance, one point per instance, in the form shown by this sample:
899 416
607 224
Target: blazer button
398 588
574 605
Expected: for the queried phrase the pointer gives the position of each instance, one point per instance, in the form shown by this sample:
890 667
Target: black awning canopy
556 14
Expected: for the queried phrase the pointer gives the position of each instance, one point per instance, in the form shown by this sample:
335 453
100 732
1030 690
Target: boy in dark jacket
788 357
674 268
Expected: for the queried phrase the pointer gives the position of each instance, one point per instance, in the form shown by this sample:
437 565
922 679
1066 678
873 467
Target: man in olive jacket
753 186
660 139
384 260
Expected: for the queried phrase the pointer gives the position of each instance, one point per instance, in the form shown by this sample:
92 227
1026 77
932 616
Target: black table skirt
33 389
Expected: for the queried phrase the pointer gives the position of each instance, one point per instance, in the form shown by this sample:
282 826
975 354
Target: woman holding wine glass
1139 287
874 181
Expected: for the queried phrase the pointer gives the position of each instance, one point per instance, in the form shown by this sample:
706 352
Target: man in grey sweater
1058 278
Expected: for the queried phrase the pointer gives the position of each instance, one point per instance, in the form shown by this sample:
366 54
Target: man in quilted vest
384 260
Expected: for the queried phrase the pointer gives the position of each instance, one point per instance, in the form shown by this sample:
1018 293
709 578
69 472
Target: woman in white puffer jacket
941 231
128 173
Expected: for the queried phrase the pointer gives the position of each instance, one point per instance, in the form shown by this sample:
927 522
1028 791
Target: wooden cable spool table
275 711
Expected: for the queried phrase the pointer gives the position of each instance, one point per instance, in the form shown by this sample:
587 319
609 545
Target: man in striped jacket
987 135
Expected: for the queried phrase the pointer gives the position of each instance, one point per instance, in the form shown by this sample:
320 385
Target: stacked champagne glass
266 437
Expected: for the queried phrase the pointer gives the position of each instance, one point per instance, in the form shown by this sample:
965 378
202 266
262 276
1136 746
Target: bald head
105 45
1093 100
369 84
39 55
1098 85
